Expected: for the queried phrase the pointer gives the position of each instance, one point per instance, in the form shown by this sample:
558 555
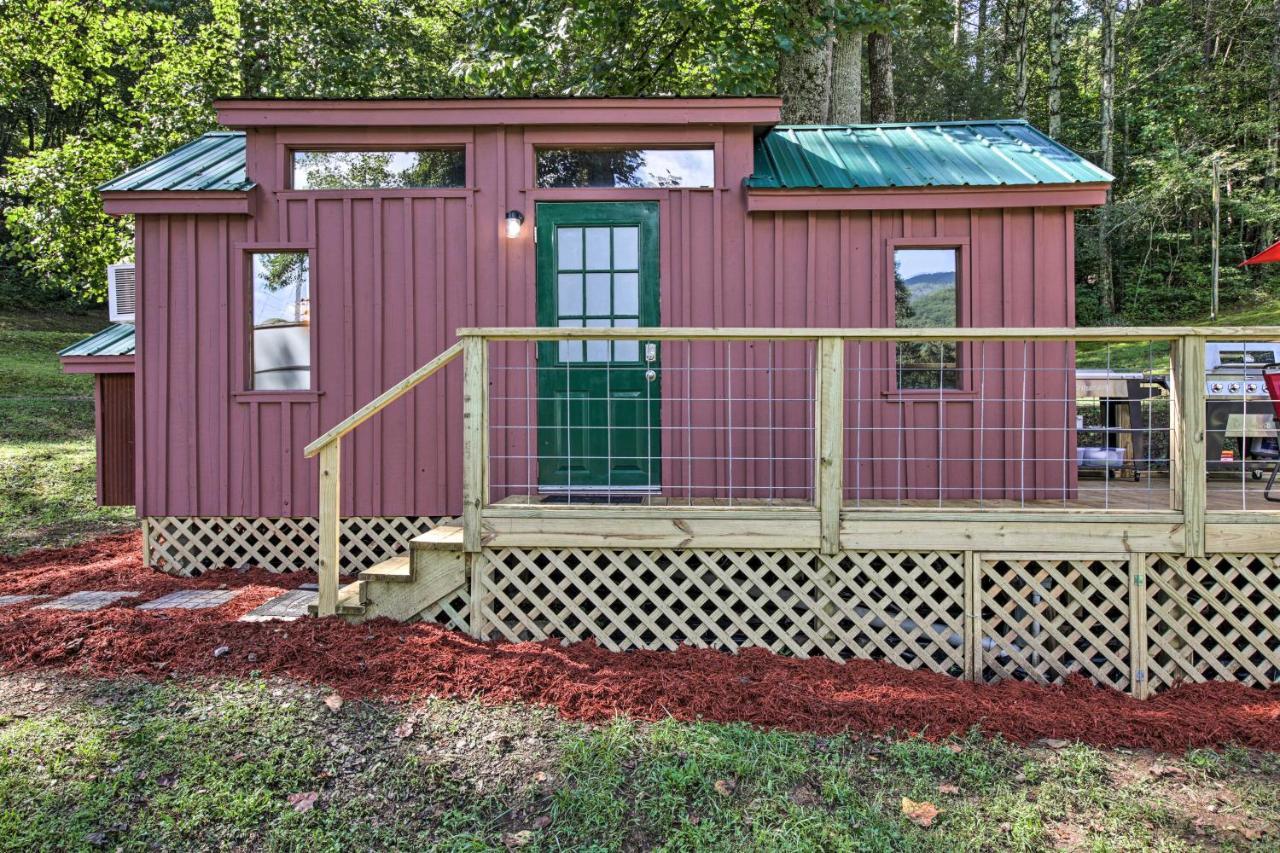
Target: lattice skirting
190 546
1132 622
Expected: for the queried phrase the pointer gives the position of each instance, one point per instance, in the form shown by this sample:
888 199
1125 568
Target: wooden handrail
328 446
1098 333
386 398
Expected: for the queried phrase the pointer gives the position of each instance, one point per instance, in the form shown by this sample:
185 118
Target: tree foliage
89 88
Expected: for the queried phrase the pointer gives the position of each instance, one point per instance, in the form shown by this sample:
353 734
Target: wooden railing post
475 438
1187 473
828 478
330 529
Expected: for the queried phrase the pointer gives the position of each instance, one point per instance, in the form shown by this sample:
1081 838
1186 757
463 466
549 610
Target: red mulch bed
389 660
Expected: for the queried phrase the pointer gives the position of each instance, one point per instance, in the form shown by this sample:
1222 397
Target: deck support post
1187 472
475 439
1138 678
828 424
330 529
972 616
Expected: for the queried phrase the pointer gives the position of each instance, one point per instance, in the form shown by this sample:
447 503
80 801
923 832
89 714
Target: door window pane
626 167
570 350
598 350
280 343
626 248
570 294
626 293
569 248
598 248
598 293
924 288
626 350
340 170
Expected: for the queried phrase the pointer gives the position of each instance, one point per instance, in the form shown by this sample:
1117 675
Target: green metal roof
116 339
213 161
926 154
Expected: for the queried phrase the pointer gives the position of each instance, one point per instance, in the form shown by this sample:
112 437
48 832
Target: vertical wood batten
330 529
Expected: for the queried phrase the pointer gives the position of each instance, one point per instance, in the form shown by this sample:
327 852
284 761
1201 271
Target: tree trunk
804 81
980 43
1057 19
1273 115
957 26
1106 283
846 79
1019 26
880 60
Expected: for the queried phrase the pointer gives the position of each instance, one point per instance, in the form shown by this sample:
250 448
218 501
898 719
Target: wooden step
398 569
443 537
350 600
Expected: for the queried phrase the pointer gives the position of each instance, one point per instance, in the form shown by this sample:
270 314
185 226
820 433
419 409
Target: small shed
109 355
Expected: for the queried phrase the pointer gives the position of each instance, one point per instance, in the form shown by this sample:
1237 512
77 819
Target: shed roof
925 154
115 340
212 161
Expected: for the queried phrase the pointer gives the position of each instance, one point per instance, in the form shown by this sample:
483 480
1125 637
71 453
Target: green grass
47 467
1154 355
133 766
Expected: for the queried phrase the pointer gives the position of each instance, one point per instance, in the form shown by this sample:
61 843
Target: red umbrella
1269 255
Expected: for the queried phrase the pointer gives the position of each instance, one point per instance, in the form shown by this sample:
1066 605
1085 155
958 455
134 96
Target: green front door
598 401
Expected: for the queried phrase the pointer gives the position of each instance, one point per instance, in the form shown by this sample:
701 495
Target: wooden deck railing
1187 433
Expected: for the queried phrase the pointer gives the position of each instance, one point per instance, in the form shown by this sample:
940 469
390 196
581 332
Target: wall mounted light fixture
515 220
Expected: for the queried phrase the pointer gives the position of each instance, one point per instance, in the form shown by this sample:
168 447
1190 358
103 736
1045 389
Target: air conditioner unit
121 292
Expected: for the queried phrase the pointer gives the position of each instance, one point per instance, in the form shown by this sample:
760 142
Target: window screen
281 339
924 288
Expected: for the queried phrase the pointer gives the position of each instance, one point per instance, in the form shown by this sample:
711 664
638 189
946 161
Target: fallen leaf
955 747
304 802
542 821
518 839
221 651
948 788
724 787
1055 743
334 702
921 814
403 730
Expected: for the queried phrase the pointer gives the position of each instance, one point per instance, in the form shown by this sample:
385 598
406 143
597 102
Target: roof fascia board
593 112
98 363
119 202
936 198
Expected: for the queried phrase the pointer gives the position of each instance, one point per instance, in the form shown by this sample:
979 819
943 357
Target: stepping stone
86 600
6 600
191 599
285 608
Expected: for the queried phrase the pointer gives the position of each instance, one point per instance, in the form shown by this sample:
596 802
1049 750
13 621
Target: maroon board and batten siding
396 272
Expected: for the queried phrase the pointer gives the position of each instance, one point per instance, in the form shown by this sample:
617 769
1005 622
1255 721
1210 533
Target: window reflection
924 296
281 340
339 170
626 167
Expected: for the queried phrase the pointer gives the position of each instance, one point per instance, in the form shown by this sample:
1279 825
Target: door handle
650 375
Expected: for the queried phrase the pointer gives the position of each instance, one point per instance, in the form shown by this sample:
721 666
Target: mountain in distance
922 284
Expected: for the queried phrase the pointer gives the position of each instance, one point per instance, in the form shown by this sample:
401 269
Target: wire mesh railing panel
672 422
1007 424
1241 383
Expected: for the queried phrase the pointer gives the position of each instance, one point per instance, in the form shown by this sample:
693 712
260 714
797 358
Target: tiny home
726 381
291 268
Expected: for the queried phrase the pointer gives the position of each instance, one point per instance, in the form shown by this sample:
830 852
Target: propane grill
1234 371
1238 411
